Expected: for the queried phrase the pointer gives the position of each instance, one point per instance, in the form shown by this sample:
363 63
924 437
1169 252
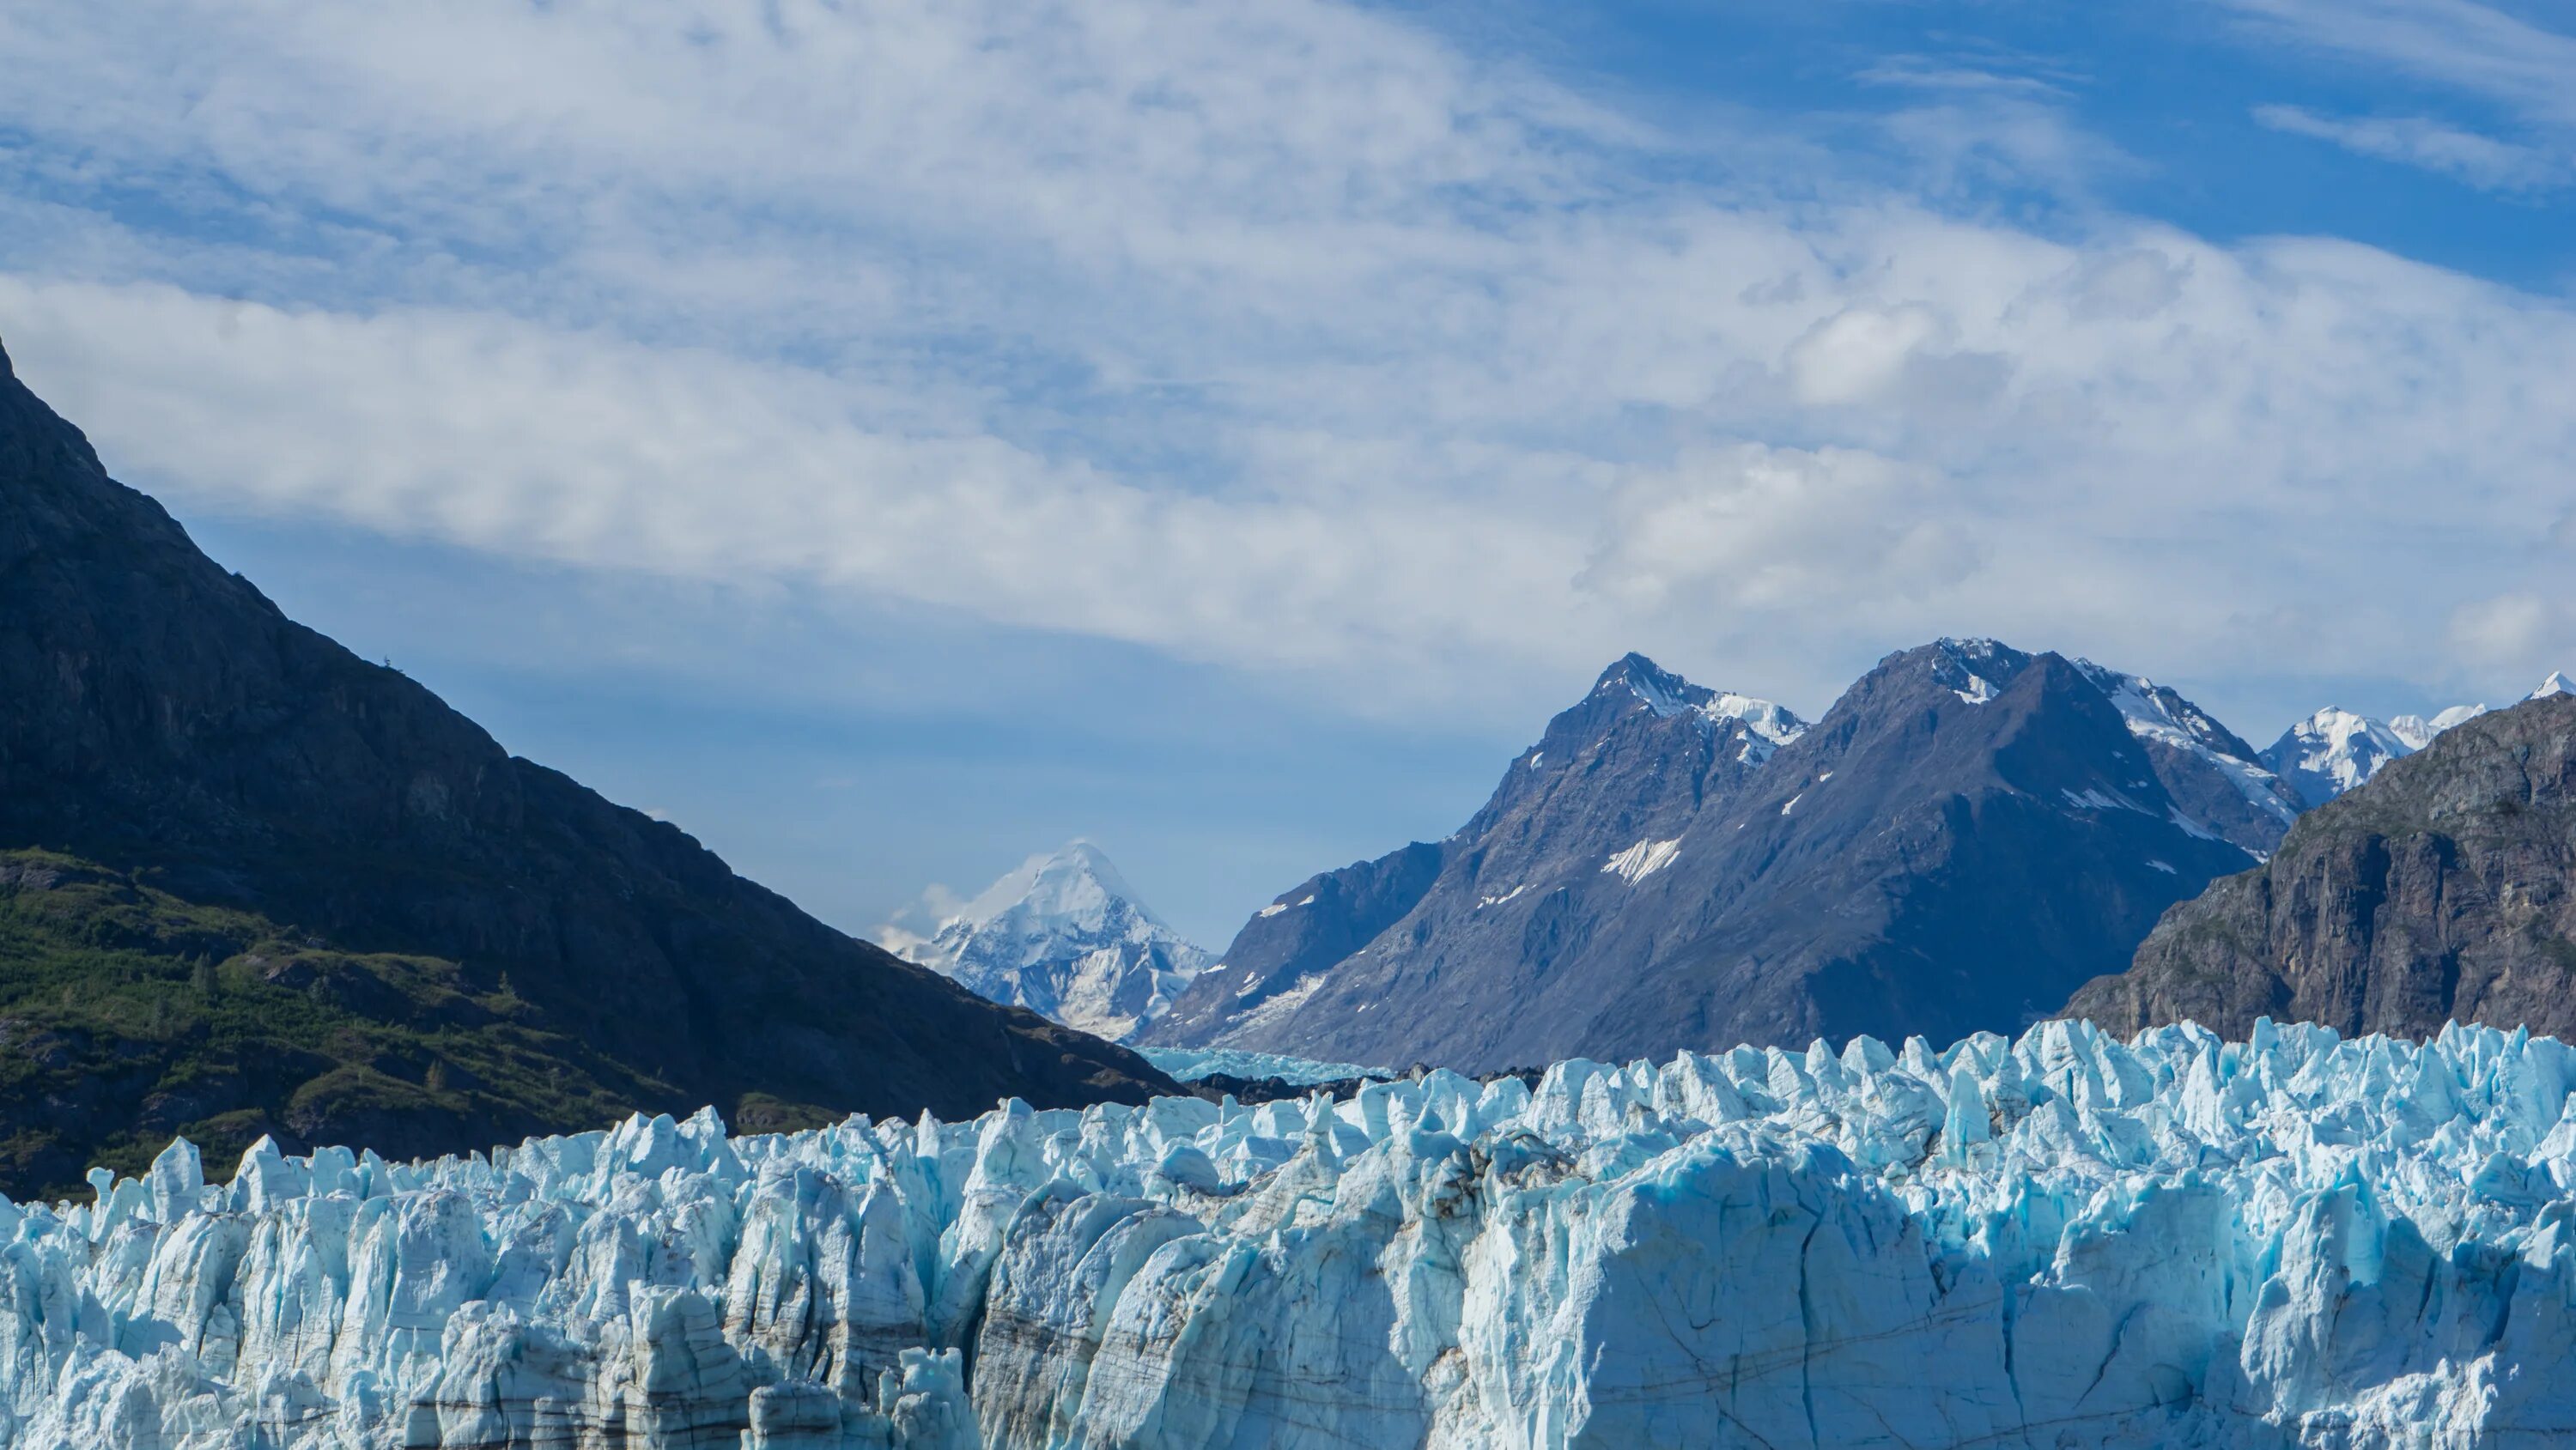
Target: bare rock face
2436 892
160 719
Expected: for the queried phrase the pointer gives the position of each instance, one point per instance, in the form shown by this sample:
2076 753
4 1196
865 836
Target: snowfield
2056 1243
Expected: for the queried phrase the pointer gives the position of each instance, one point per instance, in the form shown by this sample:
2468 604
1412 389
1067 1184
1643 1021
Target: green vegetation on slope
129 1016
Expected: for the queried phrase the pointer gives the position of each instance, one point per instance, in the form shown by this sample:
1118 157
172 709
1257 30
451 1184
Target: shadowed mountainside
180 742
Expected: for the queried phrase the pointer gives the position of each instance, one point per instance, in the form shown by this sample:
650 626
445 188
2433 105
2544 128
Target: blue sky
892 439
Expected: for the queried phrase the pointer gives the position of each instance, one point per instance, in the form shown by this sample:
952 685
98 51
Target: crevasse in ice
2063 1241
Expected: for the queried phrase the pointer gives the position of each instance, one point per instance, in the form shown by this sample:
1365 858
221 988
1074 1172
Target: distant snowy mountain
2418 732
2334 749
1064 936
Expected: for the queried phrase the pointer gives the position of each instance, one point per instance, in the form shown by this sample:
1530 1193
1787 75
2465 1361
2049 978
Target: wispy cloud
2481 161
1287 335
2526 69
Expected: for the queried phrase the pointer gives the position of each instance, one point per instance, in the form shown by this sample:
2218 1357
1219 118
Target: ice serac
1065 936
2442 889
1965 837
2060 1242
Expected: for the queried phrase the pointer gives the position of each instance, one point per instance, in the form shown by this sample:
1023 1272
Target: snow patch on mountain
2153 712
1768 725
2060 1241
1642 860
1065 936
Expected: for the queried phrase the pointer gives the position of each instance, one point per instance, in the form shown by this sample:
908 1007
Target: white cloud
1752 528
2478 49
2481 161
912 925
2513 634
1284 334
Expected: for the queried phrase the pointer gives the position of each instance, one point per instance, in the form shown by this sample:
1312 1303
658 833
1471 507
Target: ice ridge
2063 1241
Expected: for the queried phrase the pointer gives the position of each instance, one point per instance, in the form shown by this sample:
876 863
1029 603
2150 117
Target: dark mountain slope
2439 890
1637 758
159 717
1963 838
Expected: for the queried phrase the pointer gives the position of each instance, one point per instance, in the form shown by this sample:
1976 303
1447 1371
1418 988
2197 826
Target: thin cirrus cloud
2478 49
2481 161
1293 336
2509 66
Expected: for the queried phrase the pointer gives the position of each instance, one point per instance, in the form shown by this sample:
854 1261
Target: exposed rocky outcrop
2437 891
159 717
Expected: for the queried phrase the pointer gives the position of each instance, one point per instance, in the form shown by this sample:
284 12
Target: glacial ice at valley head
2060 1241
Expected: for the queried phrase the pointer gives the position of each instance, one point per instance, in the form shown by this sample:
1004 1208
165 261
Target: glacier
1190 1064
2057 1242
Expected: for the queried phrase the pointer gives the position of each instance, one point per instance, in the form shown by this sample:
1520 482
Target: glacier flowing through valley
2064 1241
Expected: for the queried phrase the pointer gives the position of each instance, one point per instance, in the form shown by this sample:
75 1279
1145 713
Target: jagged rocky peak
1063 934
1656 874
1668 694
1976 670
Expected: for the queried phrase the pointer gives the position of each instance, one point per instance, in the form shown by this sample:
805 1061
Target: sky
890 439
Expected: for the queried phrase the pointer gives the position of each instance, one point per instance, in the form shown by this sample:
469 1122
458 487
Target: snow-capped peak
1668 694
2556 684
1064 935
2332 751
1073 887
2418 732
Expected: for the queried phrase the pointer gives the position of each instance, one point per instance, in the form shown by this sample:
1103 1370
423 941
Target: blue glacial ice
1190 1064
2057 1243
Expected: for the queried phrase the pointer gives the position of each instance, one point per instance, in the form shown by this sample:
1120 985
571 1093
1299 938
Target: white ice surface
2060 1243
1189 1064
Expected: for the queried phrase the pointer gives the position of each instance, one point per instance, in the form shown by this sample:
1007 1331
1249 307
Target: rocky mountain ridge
1664 869
164 726
2442 889
2335 749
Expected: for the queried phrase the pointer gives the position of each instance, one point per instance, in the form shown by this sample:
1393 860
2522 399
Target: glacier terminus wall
2058 1243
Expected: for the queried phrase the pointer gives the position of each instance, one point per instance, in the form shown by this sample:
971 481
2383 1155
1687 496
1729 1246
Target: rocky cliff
2437 891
